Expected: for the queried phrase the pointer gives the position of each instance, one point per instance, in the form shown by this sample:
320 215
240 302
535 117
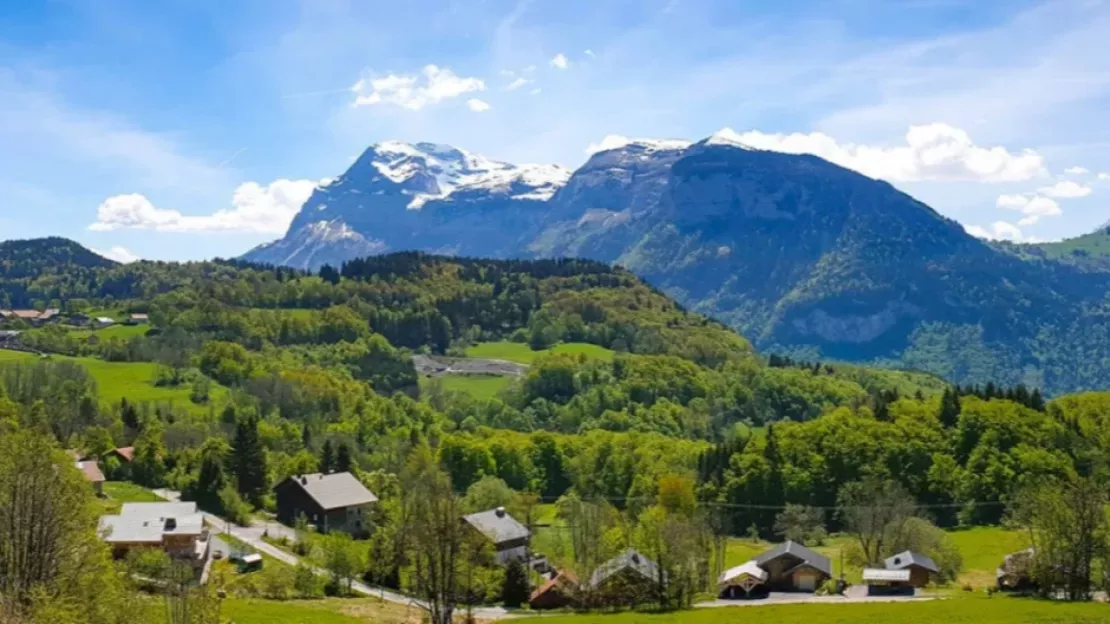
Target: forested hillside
634 414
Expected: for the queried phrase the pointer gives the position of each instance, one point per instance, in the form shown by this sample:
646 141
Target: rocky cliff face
799 254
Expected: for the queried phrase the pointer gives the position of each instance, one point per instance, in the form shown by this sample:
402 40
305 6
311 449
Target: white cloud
1065 189
117 253
255 209
416 91
589 53
1033 207
538 91
1077 171
478 106
999 230
1104 176
518 83
935 151
560 61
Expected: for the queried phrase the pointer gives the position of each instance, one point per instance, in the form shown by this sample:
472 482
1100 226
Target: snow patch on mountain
616 141
727 137
454 169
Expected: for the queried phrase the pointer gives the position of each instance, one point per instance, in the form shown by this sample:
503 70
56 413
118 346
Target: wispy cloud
478 106
560 61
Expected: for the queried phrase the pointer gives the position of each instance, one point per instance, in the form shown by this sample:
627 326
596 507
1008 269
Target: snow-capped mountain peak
433 171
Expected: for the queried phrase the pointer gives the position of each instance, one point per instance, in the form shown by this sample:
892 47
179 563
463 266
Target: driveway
252 536
780 598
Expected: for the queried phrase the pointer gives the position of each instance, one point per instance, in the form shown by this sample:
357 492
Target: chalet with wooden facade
331 502
922 568
793 567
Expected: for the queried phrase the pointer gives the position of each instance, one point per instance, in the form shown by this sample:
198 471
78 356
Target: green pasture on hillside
522 353
481 387
116 380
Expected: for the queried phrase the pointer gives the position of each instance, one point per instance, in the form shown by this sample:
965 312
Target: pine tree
343 460
1036 401
249 459
306 437
515 590
949 408
327 457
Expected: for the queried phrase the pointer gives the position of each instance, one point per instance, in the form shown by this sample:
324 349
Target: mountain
1089 251
425 196
801 255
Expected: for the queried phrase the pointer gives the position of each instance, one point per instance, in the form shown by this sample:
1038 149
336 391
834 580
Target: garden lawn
116 493
969 609
481 387
521 352
133 380
326 611
983 549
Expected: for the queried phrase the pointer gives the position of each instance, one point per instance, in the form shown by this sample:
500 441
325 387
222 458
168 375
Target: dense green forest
275 372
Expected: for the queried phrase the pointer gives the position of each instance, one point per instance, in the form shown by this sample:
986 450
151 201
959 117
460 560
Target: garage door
807 582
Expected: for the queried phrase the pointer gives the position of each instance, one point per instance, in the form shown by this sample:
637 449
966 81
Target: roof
498 526
748 568
140 317
149 522
26 314
628 560
48 313
91 471
105 319
794 549
334 491
126 452
562 578
908 559
874 574
9 333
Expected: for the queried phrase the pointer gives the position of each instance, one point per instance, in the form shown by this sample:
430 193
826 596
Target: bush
234 507
306 582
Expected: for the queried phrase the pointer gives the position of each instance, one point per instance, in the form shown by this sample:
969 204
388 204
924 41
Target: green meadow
522 353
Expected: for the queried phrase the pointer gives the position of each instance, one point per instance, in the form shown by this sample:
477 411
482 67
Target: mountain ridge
801 255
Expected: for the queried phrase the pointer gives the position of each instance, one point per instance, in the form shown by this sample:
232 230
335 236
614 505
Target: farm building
746 580
793 567
331 502
922 568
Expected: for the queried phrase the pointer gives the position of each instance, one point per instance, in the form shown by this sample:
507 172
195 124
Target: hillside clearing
131 380
521 352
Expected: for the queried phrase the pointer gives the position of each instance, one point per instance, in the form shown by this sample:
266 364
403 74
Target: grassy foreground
522 353
977 609
326 611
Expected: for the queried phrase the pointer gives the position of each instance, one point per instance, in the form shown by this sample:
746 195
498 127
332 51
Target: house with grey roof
175 527
509 537
331 502
921 567
791 566
629 579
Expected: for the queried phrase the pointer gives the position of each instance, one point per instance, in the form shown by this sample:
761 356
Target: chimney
500 511
171 524
304 480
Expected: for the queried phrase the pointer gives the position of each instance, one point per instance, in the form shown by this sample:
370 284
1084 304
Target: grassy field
327 611
983 549
116 493
134 380
115 331
521 352
969 609
482 387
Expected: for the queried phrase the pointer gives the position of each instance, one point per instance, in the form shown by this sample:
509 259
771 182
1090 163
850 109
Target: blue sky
184 130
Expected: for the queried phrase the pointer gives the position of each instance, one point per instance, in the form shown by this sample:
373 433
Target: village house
627 579
921 567
509 538
9 337
77 319
103 322
559 591
746 580
93 475
138 319
48 315
176 528
331 502
793 567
